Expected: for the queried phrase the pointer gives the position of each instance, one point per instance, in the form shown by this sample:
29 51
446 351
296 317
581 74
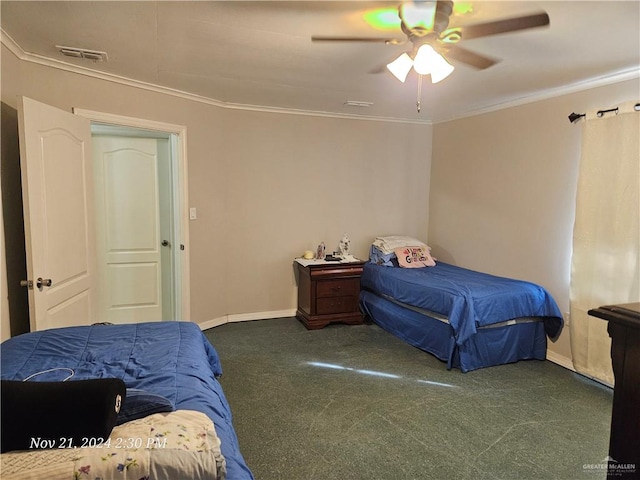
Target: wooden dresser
328 292
624 443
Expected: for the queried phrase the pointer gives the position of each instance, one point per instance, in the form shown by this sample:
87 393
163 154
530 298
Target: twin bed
173 366
466 318
180 424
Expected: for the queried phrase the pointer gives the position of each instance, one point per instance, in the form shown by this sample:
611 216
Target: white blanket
389 243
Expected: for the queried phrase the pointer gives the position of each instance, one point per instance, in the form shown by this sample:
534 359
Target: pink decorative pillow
414 257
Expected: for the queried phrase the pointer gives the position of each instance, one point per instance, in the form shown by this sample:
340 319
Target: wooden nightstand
328 292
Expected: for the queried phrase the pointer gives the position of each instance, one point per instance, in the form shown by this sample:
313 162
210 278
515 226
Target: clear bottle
321 253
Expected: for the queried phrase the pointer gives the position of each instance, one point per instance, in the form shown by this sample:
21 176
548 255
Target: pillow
414 257
140 403
37 415
377 257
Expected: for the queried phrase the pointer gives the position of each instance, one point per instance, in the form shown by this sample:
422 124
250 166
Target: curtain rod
574 117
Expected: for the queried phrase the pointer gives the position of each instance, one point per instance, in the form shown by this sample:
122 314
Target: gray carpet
354 402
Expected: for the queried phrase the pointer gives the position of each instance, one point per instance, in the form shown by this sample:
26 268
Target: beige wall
497 196
292 182
503 189
267 186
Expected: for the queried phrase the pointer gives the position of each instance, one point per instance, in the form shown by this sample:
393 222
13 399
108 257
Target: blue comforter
468 298
172 359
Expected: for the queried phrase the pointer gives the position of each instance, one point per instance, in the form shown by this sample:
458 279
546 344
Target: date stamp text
39 443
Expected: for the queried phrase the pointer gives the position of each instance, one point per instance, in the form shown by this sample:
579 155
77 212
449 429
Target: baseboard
216 322
246 317
560 360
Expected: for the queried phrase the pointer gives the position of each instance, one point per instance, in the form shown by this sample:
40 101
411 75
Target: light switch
192 213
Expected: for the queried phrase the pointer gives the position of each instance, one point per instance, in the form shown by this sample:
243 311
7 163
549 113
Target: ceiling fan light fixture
428 61
401 66
441 70
425 59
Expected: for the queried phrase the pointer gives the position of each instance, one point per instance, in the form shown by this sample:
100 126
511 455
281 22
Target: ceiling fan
426 27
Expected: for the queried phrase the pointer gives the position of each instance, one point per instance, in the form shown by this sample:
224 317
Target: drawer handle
335 289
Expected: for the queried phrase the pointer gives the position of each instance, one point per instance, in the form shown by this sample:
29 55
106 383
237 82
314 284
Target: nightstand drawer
338 287
328 305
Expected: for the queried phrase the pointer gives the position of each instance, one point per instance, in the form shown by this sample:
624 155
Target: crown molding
594 82
6 39
21 54
587 84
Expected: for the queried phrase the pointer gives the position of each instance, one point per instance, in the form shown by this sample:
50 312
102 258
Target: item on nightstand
308 255
321 251
344 245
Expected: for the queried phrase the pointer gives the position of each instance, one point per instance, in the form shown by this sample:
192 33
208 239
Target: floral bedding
168 358
176 445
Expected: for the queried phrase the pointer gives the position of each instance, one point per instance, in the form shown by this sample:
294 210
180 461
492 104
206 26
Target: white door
128 228
56 166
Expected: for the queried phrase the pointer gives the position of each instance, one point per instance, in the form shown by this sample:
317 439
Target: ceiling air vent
74 52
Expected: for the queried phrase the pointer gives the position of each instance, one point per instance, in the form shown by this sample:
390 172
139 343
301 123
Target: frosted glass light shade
441 70
428 61
425 59
401 66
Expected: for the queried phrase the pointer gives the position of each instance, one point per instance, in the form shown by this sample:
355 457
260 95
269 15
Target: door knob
165 243
43 282
27 283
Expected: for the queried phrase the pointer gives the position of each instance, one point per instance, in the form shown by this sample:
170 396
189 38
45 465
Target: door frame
178 146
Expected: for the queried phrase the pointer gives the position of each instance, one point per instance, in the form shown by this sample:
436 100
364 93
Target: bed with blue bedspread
466 318
171 360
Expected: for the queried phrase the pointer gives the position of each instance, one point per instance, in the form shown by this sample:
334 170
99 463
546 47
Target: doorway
135 238
141 218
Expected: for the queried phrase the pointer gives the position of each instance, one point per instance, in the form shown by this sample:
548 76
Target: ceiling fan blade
392 41
470 58
504 26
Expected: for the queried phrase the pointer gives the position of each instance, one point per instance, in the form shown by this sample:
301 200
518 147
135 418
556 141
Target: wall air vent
93 55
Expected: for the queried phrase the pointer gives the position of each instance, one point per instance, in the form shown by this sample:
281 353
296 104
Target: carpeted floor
354 402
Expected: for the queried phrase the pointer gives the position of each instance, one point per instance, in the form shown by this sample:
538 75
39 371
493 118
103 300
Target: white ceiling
260 53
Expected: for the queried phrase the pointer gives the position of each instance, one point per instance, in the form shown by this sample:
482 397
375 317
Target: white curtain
605 266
